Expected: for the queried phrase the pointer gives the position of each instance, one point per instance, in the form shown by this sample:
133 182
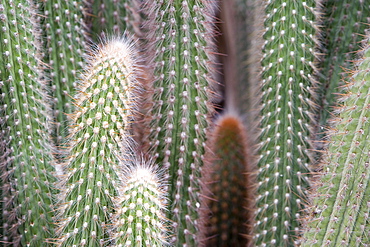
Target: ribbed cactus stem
62 24
287 73
343 27
113 17
180 32
140 217
100 138
230 184
24 117
341 203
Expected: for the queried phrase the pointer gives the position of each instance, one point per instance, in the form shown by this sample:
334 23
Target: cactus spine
114 17
180 34
287 73
342 199
228 178
64 45
343 29
141 204
98 143
25 124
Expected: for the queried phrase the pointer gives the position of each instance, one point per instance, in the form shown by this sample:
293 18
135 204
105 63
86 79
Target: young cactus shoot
140 214
100 139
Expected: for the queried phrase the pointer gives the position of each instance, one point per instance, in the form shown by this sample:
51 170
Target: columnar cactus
113 17
64 46
344 24
25 125
140 209
100 138
180 32
287 73
341 203
228 222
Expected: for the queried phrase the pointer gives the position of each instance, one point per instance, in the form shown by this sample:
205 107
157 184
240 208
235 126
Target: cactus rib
25 123
180 32
64 44
286 118
342 197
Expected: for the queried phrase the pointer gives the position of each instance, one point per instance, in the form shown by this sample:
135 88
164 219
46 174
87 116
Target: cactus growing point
227 210
140 217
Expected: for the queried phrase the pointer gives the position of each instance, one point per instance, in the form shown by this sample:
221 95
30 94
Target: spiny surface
141 209
228 178
180 32
341 203
287 71
25 125
343 27
110 17
99 139
64 46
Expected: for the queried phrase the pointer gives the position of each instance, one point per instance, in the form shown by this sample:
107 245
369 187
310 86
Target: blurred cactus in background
229 220
184 123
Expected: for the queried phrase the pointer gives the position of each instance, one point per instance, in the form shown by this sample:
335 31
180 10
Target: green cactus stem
230 183
140 218
341 203
110 17
100 139
25 121
180 33
344 24
64 46
286 116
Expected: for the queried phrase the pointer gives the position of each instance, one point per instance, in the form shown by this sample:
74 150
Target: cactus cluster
184 123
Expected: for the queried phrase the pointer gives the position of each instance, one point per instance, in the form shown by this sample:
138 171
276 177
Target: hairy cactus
140 214
99 141
228 217
180 34
344 24
287 73
341 203
64 45
25 121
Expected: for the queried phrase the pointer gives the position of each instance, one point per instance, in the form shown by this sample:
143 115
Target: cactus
99 142
64 46
42 53
344 25
342 197
24 116
287 73
114 17
180 32
228 177
140 216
